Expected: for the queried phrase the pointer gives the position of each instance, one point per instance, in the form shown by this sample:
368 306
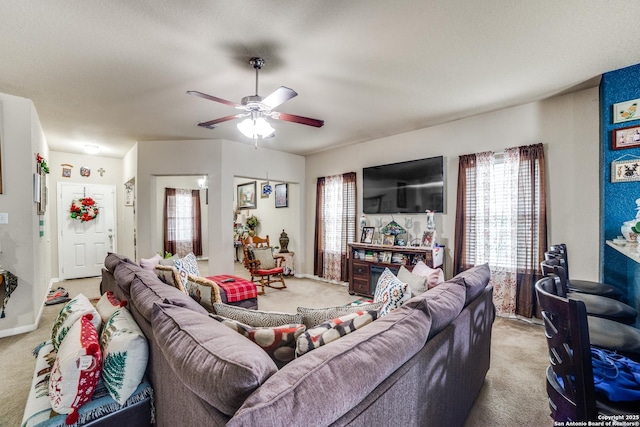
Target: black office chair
570 386
597 305
559 251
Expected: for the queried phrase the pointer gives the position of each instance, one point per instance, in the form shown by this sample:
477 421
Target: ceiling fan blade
212 123
214 98
297 119
279 96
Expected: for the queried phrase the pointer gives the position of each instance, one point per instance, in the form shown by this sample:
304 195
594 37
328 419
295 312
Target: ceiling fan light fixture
252 128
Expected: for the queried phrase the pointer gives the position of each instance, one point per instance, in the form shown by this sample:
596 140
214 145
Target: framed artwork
626 111
388 239
386 257
428 238
128 196
85 172
247 195
265 190
367 235
282 196
625 170
628 137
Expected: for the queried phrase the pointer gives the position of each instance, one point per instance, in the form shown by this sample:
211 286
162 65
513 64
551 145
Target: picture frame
626 111
428 238
628 137
265 190
282 195
625 170
367 234
247 195
386 257
388 240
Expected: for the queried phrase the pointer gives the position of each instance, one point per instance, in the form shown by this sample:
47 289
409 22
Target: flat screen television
405 187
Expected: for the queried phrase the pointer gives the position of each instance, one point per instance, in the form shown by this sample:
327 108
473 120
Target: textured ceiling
116 72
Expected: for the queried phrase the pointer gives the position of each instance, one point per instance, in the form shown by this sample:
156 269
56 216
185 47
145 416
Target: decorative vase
628 234
284 242
363 221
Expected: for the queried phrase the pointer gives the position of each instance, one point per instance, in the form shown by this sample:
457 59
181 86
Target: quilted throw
239 290
8 285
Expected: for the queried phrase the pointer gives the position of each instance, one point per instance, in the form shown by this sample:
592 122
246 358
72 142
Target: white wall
221 161
566 125
24 252
126 244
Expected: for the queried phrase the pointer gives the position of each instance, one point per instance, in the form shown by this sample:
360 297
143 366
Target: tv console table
367 262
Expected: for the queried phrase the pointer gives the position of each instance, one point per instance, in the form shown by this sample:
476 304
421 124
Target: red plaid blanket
239 290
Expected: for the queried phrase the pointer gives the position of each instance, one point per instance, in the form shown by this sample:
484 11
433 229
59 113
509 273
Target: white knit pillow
69 314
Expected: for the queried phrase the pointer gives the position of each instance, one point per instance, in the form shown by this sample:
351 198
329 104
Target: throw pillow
150 263
108 304
256 318
312 317
169 261
333 329
265 256
278 342
391 292
185 266
434 276
69 314
206 292
125 354
417 283
169 275
76 369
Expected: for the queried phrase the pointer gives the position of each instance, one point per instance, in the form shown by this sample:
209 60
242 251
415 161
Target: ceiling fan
255 110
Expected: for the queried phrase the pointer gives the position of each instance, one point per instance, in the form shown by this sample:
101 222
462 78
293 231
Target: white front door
83 246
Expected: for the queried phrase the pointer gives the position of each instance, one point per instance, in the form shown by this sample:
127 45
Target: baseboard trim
321 279
32 327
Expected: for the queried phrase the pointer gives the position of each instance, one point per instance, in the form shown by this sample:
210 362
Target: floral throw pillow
333 329
108 304
185 266
279 342
76 370
69 314
391 292
125 354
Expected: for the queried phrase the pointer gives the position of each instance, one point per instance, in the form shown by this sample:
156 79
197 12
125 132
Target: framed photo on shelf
247 195
628 137
386 257
388 239
367 235
428 238
282 196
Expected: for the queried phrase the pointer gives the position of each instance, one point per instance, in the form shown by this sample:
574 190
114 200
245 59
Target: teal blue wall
617 199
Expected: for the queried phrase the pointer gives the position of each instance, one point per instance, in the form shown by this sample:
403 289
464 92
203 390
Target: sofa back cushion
474 280
342 373
217 364
112 260
445 302
125 273
145 292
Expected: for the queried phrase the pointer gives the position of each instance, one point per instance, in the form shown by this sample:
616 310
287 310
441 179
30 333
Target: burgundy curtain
196 222
464 204
318 242
172 221
169 225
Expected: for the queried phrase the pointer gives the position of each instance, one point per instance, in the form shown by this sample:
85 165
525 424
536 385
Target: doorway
83 245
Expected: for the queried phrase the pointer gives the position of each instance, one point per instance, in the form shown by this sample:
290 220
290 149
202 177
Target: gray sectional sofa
422 364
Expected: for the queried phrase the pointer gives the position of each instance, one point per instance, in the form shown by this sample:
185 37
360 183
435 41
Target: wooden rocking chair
261 263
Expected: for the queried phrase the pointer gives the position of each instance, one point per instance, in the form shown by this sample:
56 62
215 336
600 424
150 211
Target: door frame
63 210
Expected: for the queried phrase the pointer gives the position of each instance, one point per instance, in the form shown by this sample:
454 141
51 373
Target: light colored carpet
513 394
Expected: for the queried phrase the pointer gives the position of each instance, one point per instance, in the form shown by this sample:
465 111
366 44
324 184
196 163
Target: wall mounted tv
406 187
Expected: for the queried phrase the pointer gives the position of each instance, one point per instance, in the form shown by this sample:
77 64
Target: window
182 228
501 220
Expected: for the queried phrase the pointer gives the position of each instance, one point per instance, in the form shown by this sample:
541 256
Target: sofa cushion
417 283
474 280
125 353
76 370
70 314
366 357
185 266
279 342
112 260
391 292
125 273
256 317
434 275
214 352
312 317
145 292
330 331
204 291
169 274
150 263
445 302
108 304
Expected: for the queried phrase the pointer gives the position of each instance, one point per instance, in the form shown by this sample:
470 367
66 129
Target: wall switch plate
4 218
